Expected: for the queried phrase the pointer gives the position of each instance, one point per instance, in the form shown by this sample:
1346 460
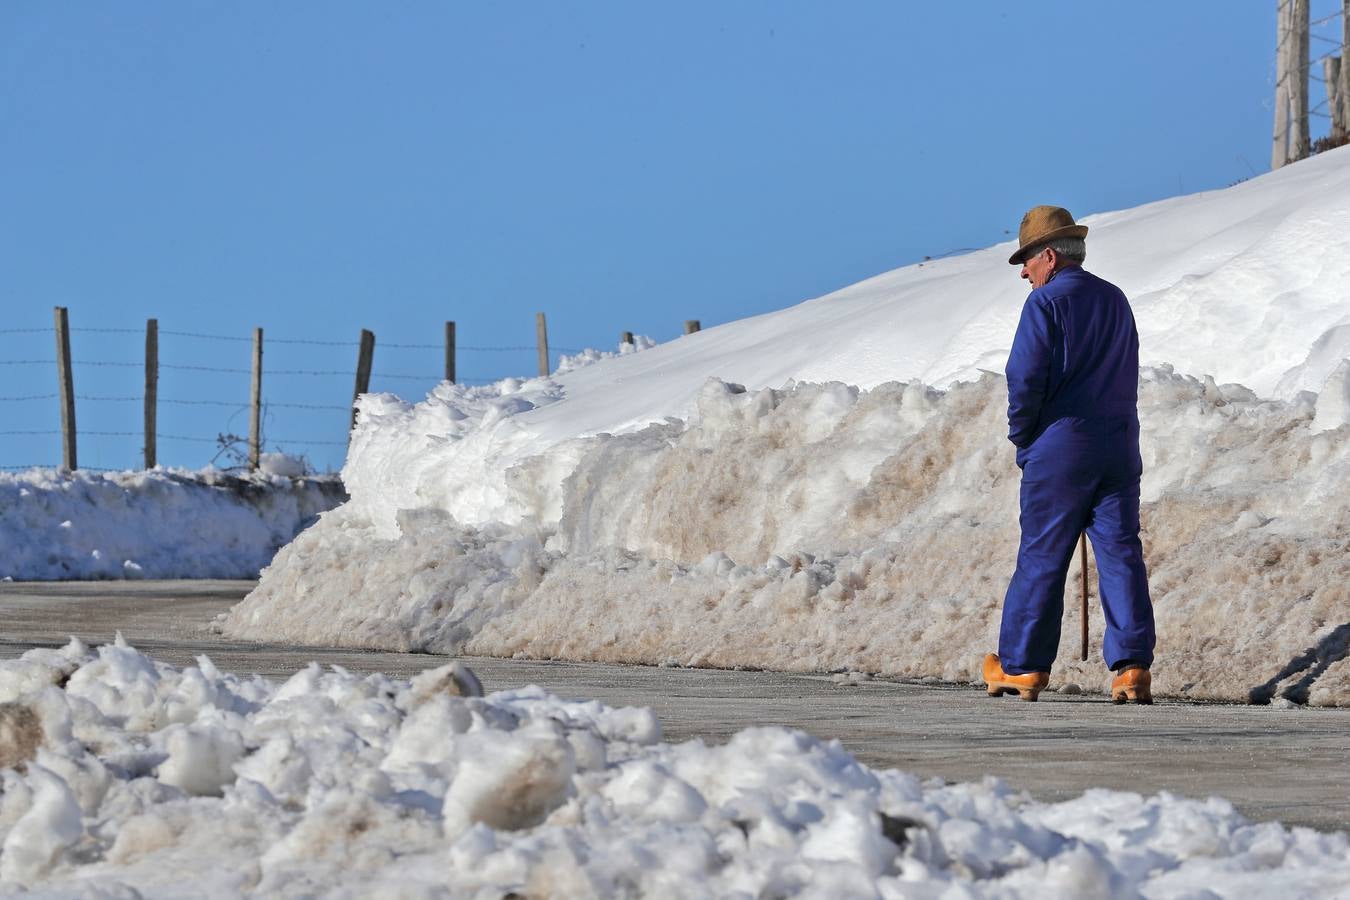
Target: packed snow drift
125 777
162 523
829 486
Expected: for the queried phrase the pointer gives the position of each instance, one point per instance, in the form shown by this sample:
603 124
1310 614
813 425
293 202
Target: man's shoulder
1074 281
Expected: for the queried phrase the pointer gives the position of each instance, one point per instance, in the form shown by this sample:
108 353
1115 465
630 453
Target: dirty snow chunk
508 781
368 785
1333 403
200 761
34 844
452 679
20 734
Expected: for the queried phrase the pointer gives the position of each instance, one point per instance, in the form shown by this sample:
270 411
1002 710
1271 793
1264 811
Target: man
1073 384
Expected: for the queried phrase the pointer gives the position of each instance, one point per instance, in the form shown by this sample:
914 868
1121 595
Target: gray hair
1070 249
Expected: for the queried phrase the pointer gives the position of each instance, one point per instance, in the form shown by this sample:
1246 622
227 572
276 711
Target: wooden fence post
64 374
1291 83
1301 143
692 325
151 387
364 357
255 405
1343 92
625 337
450 352
1331 71
541 335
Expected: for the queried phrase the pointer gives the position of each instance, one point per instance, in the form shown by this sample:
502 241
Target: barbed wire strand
91 398
98 363
1327 55
315 342
239 403
394 345
279 441
184 368
324 372
174 437
266 340
208 337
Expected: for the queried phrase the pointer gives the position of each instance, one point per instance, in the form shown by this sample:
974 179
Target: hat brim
1068 231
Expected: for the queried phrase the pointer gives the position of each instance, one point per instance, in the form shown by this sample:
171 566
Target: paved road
1284 764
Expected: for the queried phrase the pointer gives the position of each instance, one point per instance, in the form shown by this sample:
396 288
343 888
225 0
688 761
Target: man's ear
1054 258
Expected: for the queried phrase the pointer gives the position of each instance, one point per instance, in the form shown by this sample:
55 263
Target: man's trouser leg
1058 490
1123 580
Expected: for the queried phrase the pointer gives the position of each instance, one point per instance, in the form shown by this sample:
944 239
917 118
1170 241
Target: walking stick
1082 560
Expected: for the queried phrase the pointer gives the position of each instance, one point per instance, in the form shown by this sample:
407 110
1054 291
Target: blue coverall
1073 385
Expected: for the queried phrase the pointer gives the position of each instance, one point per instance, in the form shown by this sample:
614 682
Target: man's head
1039 263
1048 240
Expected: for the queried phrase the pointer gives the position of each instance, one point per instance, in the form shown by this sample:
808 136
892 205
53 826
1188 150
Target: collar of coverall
1067 265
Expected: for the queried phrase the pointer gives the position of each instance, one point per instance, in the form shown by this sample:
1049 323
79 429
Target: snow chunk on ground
1333 403
361 785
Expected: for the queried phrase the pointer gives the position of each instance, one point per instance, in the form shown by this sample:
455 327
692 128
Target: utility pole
1291 83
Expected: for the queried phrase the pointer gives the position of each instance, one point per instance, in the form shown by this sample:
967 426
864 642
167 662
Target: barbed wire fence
21 412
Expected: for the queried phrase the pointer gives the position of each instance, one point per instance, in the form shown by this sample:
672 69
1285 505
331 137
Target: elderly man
1073 382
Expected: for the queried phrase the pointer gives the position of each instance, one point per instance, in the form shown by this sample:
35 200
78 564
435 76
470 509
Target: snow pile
127 777
854 505
1247 285
590 355
162 523
824 527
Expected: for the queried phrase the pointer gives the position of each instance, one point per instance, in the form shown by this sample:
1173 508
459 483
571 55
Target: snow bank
162 523
136 778
822 527
1247 285
854 504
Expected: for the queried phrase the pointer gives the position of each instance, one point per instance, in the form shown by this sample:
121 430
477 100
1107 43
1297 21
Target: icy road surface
1271 763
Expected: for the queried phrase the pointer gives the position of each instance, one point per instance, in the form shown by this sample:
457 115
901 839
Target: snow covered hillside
121 776
164 523
829 486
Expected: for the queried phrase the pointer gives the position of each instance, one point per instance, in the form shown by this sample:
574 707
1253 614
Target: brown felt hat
1043 224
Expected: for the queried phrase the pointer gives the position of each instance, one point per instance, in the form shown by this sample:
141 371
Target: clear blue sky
318 167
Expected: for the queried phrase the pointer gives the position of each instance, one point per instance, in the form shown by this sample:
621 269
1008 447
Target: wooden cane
1082 561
